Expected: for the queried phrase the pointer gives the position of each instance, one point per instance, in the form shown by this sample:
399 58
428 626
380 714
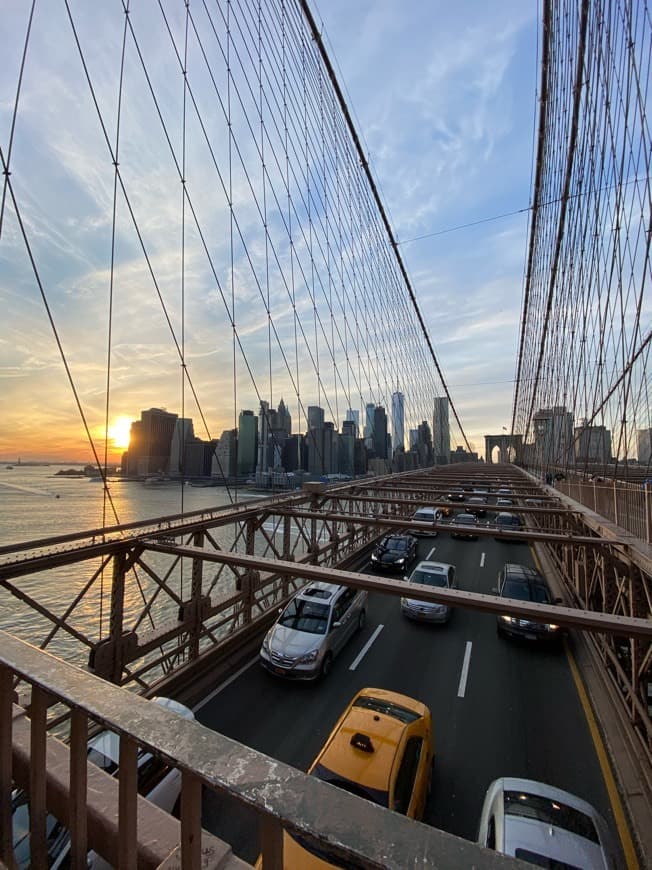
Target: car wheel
326 665
362 618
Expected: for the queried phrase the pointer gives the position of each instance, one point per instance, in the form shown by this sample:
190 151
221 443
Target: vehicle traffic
381 749
394 553
506 522
434 574
312 629
427 515
525 584
545 826
464 526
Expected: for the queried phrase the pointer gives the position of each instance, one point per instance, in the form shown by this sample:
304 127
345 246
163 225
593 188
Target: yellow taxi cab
381 749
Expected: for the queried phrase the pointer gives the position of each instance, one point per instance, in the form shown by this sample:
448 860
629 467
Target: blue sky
443 96
448 125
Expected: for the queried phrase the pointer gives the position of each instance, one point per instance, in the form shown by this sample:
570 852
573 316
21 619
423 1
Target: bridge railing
338 825
627 504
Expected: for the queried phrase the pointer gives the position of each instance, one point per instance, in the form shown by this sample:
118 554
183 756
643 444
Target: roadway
517 713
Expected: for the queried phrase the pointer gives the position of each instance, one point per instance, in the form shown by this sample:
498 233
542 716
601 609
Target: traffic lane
488 732
519 714
287 720
533 723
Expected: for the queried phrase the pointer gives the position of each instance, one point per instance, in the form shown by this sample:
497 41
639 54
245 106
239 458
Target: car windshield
430 578
375 795
550 812
302 615
387 707
397 545
524 591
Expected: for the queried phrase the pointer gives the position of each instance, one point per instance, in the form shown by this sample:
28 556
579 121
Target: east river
36 503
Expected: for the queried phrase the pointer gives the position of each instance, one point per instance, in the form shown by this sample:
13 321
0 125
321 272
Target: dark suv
525 584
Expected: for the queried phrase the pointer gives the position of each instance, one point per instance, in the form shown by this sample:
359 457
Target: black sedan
394 552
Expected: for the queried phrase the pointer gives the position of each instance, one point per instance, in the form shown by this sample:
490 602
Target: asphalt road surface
515 713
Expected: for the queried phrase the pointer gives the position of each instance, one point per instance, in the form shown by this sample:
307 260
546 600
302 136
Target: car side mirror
280 610
337 623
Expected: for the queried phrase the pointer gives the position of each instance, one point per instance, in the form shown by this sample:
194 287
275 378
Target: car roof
504 514
549 841
425 510
437 567
466 517
523 572
318 590
371 769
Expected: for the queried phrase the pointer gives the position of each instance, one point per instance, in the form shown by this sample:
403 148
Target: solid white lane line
223 685
365 648
430 554
482 560
461 689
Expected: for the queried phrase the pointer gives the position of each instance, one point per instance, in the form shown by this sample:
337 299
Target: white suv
312 630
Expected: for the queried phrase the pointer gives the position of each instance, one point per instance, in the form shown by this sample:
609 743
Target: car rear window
544 861
430 578
550 812
425 516
375 795
387 707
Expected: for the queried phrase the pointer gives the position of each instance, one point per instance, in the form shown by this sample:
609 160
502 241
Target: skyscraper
379 433
263 436
644 445
247 436
150 442
369 424
441 438
398 420
353 415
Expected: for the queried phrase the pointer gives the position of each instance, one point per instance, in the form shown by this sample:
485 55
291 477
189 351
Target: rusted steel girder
566 616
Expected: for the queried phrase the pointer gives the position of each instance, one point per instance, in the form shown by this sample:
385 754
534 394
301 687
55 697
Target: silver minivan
312 629
427 515
429 574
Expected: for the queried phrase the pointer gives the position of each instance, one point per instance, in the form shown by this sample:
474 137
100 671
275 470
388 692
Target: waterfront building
263 437
369 424
247 442
353 416
644 445
379 432
224 458
441 439
150 442
184 433
398 420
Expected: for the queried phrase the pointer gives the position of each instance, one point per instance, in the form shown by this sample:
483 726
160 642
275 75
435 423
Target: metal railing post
615 503
6 702
271 839
646 487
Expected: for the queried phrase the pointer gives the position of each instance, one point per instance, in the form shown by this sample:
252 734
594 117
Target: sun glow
119 432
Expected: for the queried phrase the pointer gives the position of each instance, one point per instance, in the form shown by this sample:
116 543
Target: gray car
436 574
312 629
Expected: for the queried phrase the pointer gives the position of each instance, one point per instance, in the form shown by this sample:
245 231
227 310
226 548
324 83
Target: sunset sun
119 432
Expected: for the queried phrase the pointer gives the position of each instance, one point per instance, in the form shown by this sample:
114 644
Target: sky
444 99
